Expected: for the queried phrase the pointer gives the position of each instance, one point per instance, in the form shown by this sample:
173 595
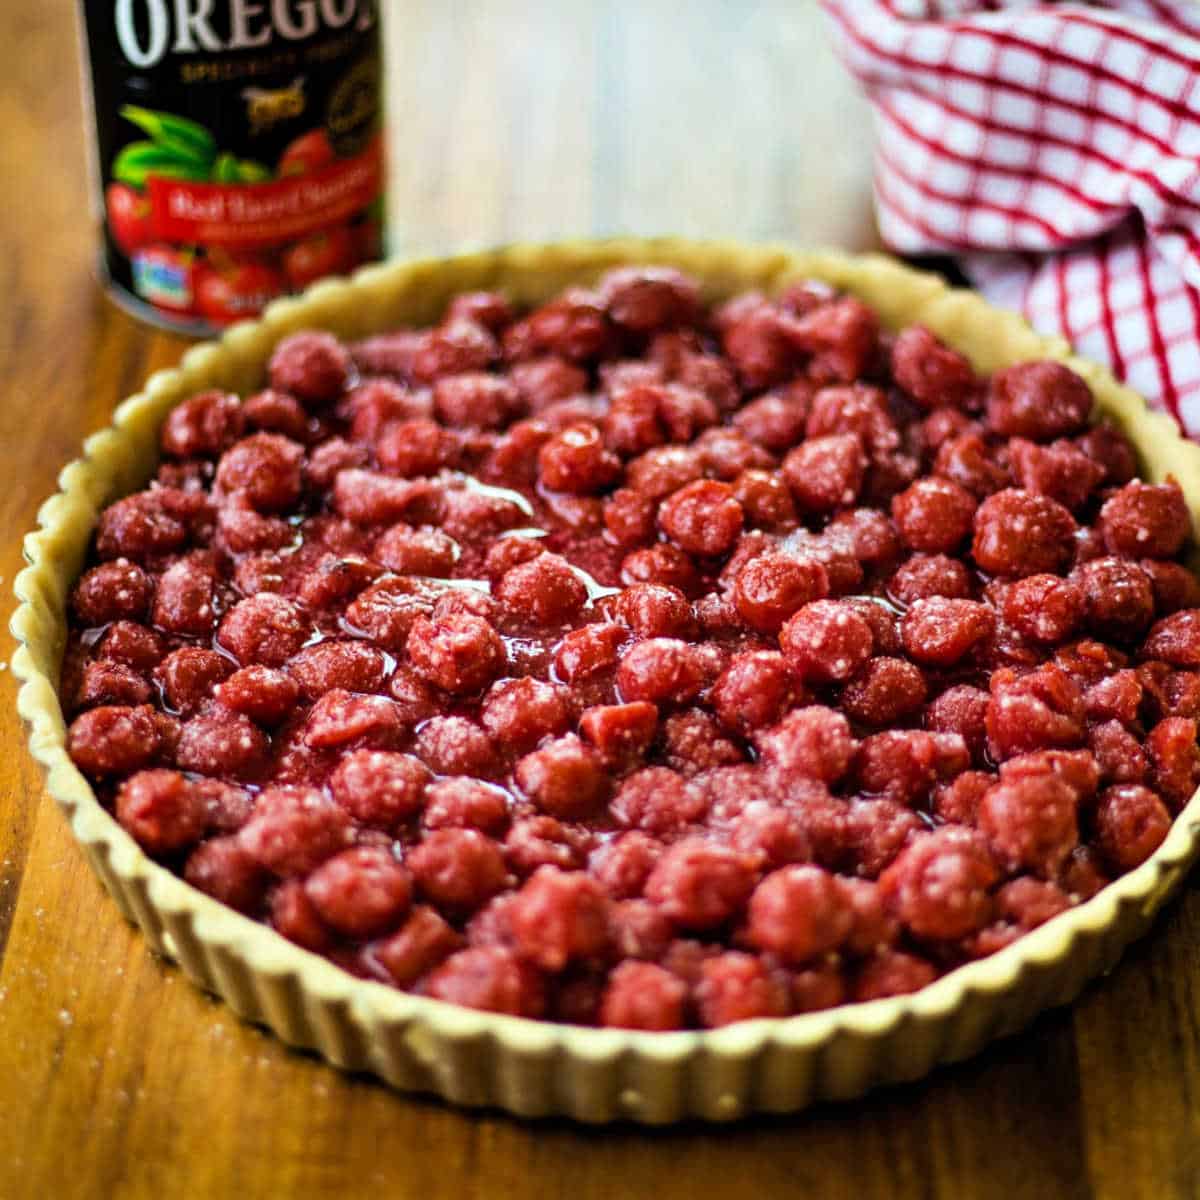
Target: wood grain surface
117 1077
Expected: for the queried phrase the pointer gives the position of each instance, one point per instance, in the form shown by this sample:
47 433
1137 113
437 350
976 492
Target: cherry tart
636 662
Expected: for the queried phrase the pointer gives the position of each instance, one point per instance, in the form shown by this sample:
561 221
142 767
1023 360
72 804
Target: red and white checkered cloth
1055 150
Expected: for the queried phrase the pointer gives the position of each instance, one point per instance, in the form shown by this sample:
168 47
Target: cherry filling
637 663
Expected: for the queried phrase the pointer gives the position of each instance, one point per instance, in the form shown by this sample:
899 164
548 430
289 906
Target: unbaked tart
628 679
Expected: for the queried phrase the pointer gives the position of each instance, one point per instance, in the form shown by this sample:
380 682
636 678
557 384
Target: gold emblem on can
266 107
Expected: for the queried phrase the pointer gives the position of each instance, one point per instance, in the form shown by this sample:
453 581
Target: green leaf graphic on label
186 138
225 169
250 171
178 133
139 160
230 169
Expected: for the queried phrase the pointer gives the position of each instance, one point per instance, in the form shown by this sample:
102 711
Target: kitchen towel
1054 150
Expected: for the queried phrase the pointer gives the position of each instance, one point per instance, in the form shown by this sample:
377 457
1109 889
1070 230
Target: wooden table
117 1077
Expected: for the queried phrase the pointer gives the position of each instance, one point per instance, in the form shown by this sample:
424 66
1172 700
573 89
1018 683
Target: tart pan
533 1068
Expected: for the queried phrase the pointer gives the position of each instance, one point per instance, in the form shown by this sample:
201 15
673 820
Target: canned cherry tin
239 150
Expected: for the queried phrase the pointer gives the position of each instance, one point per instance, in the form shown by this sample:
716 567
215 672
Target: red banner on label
263 214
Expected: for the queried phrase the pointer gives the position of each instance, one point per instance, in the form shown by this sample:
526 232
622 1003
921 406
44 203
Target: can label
239 148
